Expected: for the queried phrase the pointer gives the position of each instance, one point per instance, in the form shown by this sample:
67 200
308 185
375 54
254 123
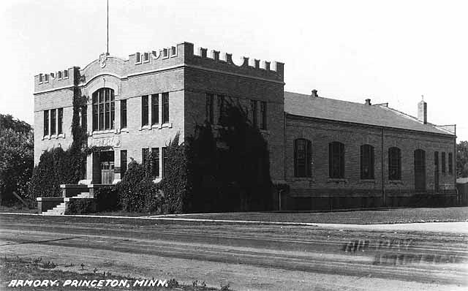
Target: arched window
367 162
394 163
103 109
302 158
336 162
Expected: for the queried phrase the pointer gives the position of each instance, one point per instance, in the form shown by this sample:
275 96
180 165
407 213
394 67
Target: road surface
248 256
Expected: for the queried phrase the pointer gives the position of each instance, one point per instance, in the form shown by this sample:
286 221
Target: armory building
331 153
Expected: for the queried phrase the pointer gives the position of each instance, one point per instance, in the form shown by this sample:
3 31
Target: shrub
107 198
81 206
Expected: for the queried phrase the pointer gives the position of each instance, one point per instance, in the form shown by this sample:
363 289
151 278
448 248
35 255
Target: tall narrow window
263 113
155 162
144 156
154 109
103 109
165 107
394 163
123 162
253 108
60 121
46 122
302 158
336 160
123 113
444 164
164 161
450 163
210 108
367 162
221 108
53 122
144 110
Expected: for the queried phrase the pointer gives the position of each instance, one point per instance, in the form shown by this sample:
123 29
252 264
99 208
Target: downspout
382 167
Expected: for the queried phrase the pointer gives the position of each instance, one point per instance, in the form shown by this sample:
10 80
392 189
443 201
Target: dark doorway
420 170
103 167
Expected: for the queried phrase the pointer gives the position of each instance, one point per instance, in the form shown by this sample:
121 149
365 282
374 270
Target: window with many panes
209 108
450 163
165 107
367 162
155 162
123 113
164 161
253 109
60 121
394 163
263 115
302 158
443 162
46 122
53 122
144 156
336 163
144 110
123 162
103 109
154 109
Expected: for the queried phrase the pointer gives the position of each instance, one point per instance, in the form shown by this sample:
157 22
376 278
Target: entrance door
107 167
420 170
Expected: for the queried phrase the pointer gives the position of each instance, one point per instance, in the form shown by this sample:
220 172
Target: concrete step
57 210
83 195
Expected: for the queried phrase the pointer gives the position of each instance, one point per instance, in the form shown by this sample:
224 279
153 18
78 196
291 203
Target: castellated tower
139 104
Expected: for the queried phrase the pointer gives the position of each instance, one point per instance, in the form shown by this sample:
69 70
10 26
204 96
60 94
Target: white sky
389 51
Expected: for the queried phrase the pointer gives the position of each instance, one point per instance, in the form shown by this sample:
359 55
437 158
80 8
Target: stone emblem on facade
103 60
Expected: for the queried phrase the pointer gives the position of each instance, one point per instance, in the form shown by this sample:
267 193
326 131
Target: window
394 163
103 109
263 114
165 107
40 78
155 162
253 108
138 57
436 161
144 156
302 158
450 163
46 78
164 161
65 74
443 163
53 122
165 53
46 122
145 57
155 109
367 162
59 75
60 121
123 162
336 160
210 108
173 51
144 110
221 108
123 113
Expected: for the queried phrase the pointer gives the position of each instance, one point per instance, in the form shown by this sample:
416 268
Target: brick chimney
422 111
314 93
368 101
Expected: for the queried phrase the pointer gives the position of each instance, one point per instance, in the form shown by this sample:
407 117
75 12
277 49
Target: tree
16 157
462 159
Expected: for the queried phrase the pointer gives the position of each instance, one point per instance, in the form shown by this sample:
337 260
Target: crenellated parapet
53 80
185 54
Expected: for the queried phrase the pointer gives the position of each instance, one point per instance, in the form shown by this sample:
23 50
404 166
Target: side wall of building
322 192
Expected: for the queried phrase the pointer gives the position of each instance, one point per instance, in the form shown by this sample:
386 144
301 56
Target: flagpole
108 27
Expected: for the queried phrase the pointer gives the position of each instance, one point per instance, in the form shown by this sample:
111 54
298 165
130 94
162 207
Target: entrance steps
57 210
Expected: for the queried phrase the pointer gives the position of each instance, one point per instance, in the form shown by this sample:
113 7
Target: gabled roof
345 111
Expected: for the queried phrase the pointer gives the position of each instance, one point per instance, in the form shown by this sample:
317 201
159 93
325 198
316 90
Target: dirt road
248 256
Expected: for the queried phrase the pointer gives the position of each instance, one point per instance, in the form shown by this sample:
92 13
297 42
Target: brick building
332 153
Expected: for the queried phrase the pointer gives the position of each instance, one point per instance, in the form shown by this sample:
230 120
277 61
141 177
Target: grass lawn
16 268
402 215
